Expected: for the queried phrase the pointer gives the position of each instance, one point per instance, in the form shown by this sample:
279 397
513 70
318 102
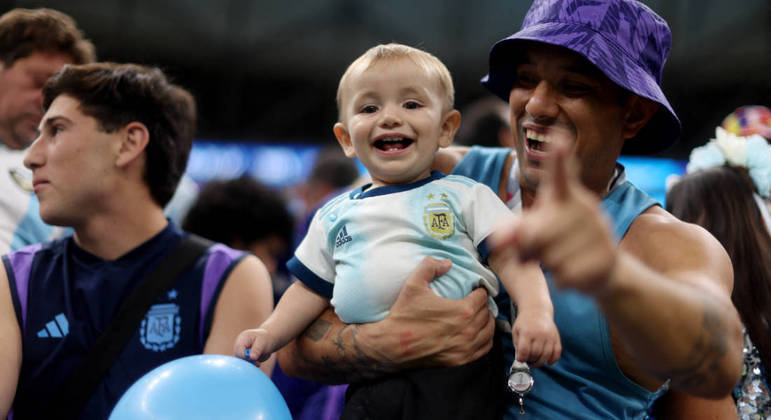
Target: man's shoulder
655 223
53 247
216 249
660 239
657 220
447 158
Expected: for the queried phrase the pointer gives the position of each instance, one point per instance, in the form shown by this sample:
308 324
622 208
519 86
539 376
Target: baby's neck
379 183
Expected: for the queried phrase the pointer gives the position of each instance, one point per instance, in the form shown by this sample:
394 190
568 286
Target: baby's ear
344 138
450 124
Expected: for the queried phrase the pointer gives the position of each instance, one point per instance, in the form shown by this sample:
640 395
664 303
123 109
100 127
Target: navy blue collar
366 190
160 239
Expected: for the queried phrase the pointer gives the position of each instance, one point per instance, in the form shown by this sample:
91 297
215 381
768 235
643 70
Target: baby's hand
255 345
536 338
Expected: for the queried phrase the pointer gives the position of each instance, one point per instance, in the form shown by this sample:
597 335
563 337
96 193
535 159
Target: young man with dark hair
113 143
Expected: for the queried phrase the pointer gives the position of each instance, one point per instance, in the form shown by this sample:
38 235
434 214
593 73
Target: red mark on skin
405 343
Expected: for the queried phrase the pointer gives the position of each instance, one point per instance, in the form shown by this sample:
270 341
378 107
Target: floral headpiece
751 152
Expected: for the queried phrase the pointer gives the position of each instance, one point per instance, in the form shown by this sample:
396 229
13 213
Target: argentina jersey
64 299
20 224
362 245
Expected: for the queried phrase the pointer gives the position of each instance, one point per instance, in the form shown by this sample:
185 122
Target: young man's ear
344 138
133 142
450 124
639 111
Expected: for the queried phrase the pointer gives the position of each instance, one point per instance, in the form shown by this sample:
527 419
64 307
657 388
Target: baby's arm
297 308
535 335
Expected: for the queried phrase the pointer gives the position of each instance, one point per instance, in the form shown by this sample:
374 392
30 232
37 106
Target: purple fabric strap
220 258
21 264
335 402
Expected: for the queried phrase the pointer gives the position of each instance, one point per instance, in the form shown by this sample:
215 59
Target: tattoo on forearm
707 352
317 330
339 343
350 363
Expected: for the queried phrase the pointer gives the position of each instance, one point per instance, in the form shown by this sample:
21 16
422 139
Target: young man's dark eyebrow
52 119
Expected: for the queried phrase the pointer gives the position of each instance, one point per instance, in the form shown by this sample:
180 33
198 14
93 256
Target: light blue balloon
203 387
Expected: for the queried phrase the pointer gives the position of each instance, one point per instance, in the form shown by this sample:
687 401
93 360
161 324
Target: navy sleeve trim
484 251
309 278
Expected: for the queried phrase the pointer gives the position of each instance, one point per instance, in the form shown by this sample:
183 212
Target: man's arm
422 329
245 302
10 346
665 292
684 326
447 158
678 406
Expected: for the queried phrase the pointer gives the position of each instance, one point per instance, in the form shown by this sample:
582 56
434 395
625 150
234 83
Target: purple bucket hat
625 39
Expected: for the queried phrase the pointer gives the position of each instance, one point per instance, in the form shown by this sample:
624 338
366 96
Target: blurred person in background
746 121
485 123
34 44
243 214
332 173
725 191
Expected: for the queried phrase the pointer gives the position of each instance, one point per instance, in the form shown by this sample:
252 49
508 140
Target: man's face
559 96
21 99
72 161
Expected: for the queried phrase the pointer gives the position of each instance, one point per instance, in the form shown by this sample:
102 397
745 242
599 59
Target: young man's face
73 163
559 95
21 100
394 120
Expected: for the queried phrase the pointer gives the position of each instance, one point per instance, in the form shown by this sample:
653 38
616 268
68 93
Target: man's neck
109 237
528 194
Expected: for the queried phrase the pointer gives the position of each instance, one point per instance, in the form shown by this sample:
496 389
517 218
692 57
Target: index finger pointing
556 182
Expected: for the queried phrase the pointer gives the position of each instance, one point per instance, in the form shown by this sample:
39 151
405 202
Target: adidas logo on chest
56 328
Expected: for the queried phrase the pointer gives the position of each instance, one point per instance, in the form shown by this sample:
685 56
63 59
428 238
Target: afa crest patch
22 179
160 327
438 219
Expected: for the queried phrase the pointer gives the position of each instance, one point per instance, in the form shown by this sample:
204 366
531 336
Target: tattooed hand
422 330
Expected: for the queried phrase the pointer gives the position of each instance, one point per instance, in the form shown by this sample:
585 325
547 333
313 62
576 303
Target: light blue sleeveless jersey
586 383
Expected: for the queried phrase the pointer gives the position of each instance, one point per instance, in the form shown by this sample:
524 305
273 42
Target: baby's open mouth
394 143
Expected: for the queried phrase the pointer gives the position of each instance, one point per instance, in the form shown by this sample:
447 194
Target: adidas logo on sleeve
57 328
342 237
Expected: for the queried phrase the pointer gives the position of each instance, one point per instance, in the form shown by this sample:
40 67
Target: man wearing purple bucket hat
639 297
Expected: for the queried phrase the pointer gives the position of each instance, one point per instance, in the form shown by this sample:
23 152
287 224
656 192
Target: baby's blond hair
429 63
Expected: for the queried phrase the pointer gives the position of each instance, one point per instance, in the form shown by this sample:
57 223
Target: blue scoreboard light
281 165
650 174
277 165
